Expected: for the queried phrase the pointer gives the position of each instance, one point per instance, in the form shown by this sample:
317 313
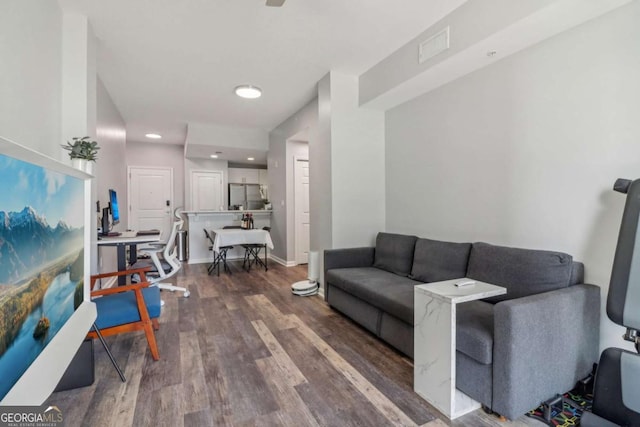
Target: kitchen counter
211 220
255 211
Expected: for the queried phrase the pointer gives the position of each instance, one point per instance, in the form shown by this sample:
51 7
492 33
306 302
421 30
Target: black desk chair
252 254
218 257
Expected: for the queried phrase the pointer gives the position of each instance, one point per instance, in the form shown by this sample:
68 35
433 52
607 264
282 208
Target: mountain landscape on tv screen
28 242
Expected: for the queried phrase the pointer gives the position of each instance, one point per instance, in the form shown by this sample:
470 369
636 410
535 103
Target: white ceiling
167 63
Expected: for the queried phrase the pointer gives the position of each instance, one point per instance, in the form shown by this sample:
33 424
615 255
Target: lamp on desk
308 287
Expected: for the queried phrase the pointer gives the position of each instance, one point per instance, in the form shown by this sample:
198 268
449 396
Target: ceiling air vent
432 46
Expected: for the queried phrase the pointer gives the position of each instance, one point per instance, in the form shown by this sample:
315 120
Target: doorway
301 209
207 192
150 192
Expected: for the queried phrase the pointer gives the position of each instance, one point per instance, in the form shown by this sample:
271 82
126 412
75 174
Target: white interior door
207 193
150 198
301 194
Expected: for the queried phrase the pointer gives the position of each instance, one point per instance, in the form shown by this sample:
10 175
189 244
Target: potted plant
82 151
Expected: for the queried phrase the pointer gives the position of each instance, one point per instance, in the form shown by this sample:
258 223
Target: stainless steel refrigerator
245 195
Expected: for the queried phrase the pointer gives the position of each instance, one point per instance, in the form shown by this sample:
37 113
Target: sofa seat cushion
434 261
389 292
523 272
474 330
394 253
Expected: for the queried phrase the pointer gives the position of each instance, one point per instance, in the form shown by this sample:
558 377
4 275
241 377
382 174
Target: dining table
240 236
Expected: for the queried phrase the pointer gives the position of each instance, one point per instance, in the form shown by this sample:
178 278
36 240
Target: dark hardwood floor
244 351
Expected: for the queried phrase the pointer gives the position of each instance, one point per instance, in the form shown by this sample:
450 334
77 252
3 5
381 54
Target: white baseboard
321 292
282 262
271 257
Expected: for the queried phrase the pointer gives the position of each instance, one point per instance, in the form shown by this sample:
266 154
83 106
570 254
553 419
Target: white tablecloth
236 237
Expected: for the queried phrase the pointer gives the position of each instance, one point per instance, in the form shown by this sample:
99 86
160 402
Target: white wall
205 165
470 23
357 166
525 152
110 170
279 154
212 134
346 167
48 79
31 75
79 79
154 154
320 199
79 97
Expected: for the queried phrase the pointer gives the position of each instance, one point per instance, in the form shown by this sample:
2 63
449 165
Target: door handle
168 202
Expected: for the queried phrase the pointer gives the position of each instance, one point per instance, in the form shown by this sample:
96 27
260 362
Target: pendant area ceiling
169 63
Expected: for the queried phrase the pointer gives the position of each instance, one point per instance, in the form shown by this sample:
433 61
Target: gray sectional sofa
513 351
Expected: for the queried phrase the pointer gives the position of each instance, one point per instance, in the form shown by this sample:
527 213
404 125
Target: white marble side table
434 337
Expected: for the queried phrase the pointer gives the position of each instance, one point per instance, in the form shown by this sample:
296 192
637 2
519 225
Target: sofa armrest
542 345
348 258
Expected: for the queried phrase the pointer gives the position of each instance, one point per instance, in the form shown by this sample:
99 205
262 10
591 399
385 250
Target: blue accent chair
127 308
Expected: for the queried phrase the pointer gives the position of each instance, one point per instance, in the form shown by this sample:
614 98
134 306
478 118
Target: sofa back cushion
394 253
434 261
522 271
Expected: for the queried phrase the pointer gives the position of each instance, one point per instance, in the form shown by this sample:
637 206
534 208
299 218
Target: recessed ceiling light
248 91
153 136
214 156
250 158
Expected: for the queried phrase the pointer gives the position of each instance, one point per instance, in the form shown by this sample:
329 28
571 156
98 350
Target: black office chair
218 257
616 397
252 254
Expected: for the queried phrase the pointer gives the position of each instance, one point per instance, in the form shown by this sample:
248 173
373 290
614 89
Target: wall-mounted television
45 310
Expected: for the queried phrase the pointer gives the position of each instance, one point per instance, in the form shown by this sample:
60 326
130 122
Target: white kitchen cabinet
243 176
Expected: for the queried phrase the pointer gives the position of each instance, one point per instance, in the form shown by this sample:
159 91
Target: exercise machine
616 395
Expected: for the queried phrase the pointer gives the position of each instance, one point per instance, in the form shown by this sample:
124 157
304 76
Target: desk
434 338
121 244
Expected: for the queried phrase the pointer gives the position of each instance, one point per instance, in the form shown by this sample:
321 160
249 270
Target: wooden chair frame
146 324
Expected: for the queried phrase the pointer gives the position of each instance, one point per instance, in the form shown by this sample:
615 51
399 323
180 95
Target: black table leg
133 254
122 263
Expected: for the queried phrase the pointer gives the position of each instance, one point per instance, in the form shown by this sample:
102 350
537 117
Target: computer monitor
115 211
110 214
